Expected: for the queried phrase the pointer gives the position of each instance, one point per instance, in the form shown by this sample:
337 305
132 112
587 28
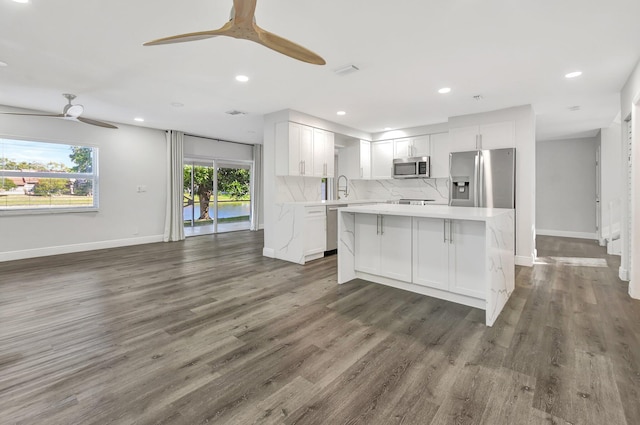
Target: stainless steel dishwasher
332 227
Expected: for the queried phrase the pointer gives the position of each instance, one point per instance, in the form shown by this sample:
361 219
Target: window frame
94 176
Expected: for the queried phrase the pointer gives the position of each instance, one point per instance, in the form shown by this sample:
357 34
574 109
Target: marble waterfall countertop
434 211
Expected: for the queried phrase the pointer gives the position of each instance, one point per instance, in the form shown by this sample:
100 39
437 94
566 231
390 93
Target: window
44 176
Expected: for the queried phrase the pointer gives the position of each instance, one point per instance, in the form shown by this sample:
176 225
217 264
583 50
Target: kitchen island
459 254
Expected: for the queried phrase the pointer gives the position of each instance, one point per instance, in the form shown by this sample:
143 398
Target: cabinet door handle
451 231
382 225
377 224
361 172
481 141
444 230
304 168
300 167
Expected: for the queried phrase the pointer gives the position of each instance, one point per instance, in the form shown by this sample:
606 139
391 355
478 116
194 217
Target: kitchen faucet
345 189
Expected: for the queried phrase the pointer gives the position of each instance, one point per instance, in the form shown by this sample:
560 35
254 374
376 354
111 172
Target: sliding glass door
216 196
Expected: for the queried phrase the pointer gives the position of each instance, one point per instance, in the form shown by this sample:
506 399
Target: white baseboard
261 226
81 247
268 252
565 234
634 291
522 260
623 274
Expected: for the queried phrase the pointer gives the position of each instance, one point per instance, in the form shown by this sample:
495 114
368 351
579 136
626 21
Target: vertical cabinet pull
361 172
450 231
444 230
382 225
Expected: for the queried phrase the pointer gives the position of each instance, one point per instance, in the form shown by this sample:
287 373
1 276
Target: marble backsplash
305 189
436 189
298 189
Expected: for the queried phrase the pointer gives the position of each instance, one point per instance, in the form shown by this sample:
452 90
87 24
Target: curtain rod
220 140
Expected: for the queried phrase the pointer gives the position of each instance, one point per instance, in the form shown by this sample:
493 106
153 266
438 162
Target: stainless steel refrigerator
483 178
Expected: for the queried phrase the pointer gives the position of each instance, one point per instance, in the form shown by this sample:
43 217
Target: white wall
611 179
525 123
566 187
128 157
630 106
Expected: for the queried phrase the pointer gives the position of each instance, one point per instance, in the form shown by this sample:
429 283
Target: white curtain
256 185
174 225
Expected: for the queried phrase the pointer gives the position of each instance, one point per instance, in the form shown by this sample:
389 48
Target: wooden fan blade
192 36
244 11
33 115
286 47
94 122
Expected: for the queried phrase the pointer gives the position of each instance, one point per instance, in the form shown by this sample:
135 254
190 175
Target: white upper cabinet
323 156
463 139
365 159
303 151
381 159
411 146
486 136
498 135
439 155
354 160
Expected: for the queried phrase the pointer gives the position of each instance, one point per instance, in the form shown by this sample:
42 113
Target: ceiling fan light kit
242 25
70 112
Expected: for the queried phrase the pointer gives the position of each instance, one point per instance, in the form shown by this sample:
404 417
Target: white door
467 258
381 159
395 247
463 139
367 243
431 253
498 135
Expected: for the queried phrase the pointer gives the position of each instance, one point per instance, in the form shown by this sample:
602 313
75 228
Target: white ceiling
512 52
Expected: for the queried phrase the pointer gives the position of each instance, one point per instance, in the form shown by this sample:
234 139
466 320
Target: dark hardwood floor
209 331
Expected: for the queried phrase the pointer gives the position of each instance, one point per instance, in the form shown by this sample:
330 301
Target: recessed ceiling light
3 63
341 113
387 128
242 78
139 119
573 74
21 1
177 104
444 90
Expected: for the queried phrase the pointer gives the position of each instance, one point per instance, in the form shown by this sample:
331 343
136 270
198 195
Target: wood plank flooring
207 331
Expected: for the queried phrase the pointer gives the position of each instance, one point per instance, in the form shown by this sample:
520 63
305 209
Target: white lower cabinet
315 231
450 255
383 245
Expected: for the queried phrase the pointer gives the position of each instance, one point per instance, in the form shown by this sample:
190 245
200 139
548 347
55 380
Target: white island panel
494 286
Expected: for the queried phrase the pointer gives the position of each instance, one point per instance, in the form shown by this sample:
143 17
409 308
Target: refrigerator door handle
481 201
476 177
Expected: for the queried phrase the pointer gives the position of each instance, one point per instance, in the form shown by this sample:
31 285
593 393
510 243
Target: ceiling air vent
344 70
235 112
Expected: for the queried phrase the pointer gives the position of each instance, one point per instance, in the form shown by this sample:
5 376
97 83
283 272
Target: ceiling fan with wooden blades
242 25
70 112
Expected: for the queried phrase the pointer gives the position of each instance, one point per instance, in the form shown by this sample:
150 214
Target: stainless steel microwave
411 168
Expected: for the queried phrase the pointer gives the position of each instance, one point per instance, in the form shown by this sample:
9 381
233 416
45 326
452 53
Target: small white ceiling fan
70 112
242 25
